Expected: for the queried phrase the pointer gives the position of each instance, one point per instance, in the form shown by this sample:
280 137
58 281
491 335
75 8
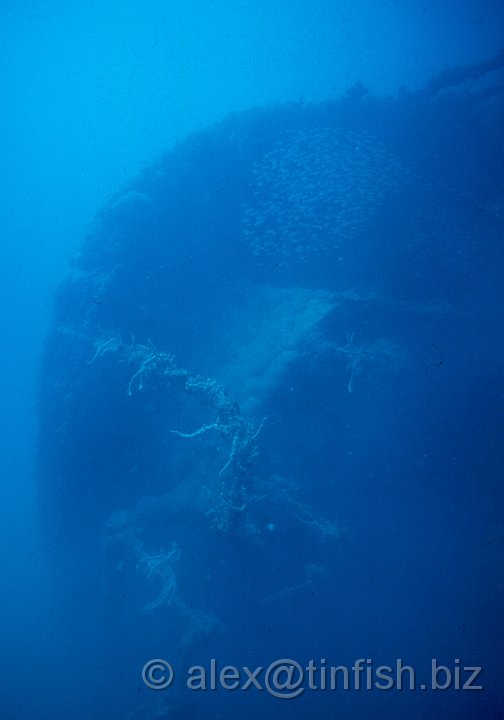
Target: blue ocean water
252 365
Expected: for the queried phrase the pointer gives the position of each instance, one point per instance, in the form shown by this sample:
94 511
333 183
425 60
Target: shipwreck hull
262 316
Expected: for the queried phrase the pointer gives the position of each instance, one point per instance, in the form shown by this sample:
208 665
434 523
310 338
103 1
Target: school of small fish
313 192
